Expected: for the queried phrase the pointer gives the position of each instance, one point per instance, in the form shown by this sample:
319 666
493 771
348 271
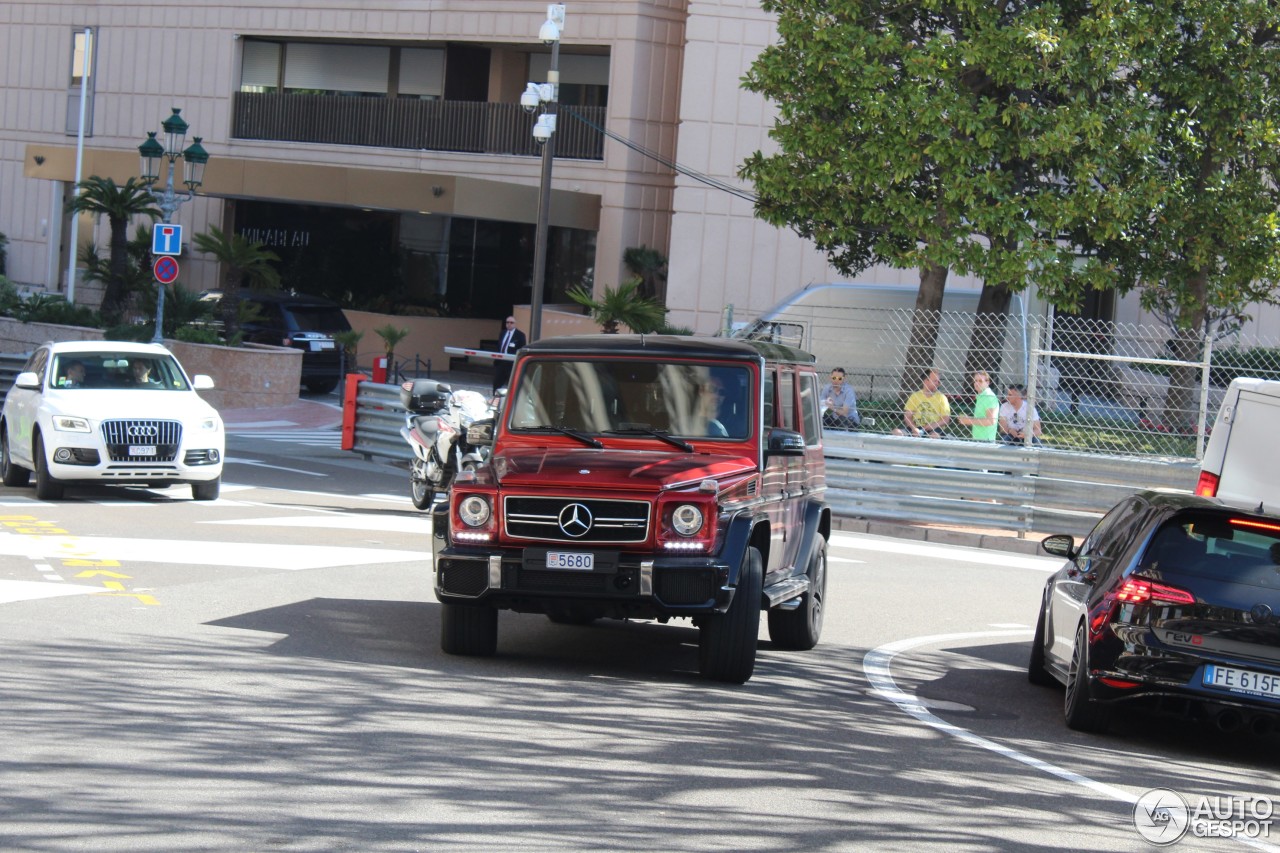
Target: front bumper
73 457
622 585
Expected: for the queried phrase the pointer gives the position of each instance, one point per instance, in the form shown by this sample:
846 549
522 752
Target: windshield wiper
645 429
564 430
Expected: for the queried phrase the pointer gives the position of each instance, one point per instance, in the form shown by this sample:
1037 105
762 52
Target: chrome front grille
557 519
120 435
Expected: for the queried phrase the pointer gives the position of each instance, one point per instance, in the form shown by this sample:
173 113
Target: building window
84 59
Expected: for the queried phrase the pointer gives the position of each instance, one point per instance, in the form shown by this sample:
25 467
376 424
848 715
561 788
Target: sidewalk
325 412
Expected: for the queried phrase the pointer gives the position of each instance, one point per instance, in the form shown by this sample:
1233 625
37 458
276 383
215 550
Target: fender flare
737 538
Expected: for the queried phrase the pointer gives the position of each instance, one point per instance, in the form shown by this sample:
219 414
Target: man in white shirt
1015 417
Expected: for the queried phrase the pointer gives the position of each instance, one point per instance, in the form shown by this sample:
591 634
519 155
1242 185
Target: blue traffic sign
166 269
166 239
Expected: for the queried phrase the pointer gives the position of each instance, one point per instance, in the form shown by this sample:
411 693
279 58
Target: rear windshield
608 396
1222 546
318 318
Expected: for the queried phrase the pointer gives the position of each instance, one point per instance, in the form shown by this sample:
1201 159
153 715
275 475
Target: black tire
471 631
206 490
1081 712
801 628
47 487
1036 673
421 492
12 475
322 386
727 642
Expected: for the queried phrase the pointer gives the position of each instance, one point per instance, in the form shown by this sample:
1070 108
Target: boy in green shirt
986 409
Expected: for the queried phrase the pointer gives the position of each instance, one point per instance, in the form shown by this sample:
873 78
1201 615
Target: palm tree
119 203
650 266
390 337
622 305
243 262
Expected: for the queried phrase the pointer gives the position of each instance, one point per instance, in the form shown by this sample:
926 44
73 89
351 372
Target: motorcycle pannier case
422 396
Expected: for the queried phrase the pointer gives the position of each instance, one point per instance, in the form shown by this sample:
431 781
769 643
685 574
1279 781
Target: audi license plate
575 561
319 345
142 450
1242 681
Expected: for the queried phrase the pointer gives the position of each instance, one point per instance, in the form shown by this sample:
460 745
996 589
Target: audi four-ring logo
575 520
143 431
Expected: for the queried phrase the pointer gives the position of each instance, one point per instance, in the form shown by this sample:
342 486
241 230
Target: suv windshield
631 397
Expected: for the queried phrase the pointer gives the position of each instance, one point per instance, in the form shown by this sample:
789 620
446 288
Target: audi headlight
686 519
210 424
67 423
474 511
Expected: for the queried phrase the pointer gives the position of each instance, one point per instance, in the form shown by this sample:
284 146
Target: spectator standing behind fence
986 406
839 403
1014 416
927 412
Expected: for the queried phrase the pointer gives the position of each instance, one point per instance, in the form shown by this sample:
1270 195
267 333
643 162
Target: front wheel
727 642
800 628
471 631
12 475
1081 712
206 490
48 488
420 491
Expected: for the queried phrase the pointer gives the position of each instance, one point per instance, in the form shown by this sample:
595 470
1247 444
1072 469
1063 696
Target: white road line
385 523
32 590
232 460
876 666
959 553
192 553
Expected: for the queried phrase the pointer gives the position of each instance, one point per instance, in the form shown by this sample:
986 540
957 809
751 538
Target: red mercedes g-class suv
645 477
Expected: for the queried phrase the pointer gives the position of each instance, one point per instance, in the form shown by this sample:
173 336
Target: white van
1240 464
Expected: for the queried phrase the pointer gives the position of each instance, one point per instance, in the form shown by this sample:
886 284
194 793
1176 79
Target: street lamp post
535 95
194 158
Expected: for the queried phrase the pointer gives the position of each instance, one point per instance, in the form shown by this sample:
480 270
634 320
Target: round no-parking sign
166 269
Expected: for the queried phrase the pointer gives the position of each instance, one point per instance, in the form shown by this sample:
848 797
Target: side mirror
480 433
1060 545
784 442
27 380
202 382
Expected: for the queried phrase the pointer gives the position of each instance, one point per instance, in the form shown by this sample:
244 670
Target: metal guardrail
10 366
900 478
377 417
905 479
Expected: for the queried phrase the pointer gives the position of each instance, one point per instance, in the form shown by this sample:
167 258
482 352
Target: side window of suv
787 397
809 408
768 395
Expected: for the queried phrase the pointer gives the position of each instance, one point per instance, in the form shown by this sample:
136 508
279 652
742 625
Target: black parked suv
303 322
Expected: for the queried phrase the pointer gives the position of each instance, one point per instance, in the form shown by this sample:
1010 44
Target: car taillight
1207 485
1143 591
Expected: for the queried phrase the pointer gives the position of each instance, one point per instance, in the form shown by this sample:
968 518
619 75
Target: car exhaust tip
1260 726
1229 721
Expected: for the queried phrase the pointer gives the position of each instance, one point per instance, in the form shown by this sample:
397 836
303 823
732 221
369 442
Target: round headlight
686 519
473 511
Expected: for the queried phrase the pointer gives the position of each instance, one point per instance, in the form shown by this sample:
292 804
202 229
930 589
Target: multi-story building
380 148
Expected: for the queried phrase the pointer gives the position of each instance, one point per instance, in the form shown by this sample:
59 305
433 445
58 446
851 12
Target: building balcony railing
465 126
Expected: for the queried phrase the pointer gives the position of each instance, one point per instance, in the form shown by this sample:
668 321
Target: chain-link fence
1096 386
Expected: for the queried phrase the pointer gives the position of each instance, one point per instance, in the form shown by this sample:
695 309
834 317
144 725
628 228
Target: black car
1171 602
300 321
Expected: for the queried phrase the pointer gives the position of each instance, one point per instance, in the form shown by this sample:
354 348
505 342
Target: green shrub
197 335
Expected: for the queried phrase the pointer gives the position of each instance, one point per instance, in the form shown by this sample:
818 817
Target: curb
995 541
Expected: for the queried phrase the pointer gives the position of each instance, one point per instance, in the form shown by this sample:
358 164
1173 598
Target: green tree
650 266
1210 246
622 305
952 135
391 335
119 203
244 262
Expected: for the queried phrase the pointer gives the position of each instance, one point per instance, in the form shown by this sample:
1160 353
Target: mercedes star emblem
575 520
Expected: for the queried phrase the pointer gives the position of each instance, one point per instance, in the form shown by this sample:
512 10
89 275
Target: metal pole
1205 373
1033 391
544 205
168 204
85 59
